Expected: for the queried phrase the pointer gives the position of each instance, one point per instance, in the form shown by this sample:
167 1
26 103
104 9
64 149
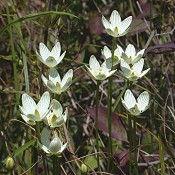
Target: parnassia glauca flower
51 145
115 27
100 72
50 58
107 54
130 55
133 72
32 112
136 107
56 117
55 84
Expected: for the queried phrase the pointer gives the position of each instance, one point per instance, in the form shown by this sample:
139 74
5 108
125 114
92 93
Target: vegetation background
24 24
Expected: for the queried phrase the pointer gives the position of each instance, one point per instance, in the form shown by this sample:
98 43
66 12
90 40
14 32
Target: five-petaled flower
115 27
51 145
133 72
130 55
32 112
100 72
136 107
56 117
50 58
107 54
55 84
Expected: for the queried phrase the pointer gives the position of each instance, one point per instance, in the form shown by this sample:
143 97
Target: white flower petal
115 18
106 52
93 63
55 145
54 76
143 101
27 120
105 22
144 73
44 103
67 80
44 51
125 68
138 67
130 51
63 147
45 137
28 103
44 148
125 24
129 99
56 107
56 51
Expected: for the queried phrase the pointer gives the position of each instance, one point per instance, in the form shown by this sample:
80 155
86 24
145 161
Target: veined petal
130 51
129 99
56 107
55 145
43 104
125 67
54 76
28 103
113 32
105 22
143 101
126 58
44 51
93 63
138 56
56 51
144 73
138 67
27 120
61 57
106 52
67 79
63 147
45 137
115 18
44 148
51 62
125 24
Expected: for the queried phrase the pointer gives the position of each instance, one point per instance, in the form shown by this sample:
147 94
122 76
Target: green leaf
91 162
24 147
34 15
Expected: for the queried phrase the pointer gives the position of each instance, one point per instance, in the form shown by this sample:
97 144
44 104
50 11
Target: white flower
32 112
133 73
107 54
51 145
130 55
50 58
56 117
100 72
115 27
135 107
55 84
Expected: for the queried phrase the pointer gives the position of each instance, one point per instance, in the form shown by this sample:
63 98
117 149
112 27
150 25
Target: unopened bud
84 168
9 163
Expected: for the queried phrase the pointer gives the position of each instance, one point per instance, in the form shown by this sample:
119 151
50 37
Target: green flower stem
161 153
133 164
38 133
96 123
109 104
56 165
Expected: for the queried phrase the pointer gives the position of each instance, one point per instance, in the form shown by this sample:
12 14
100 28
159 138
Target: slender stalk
133 164
109 112
96 123
39 139
161 153
56 165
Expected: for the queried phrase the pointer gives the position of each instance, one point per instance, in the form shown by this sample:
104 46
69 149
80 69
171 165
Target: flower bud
84 168
9 163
